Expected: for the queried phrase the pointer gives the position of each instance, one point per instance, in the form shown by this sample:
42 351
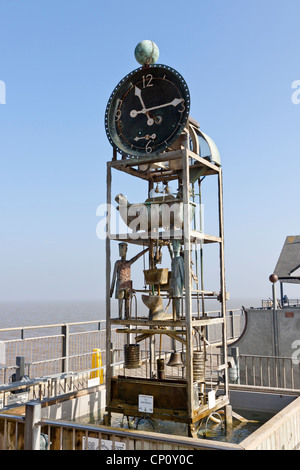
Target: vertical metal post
108 273
152 352
281 294
20 369
65 348
222 282
228 415
32 437
231 314
275 325
187 280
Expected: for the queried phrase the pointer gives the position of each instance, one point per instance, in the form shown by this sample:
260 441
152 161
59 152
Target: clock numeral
148 148
118 114
182 109
118 111
147 80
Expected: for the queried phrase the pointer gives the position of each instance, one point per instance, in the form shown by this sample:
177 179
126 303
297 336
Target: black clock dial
147 111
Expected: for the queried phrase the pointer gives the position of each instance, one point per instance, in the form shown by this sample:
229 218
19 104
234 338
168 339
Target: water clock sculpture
156 141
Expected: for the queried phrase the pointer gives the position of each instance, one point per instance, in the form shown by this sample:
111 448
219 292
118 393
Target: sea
48 312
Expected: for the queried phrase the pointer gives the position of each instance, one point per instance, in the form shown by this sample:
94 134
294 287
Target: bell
175 360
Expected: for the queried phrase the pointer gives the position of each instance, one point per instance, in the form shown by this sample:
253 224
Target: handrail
149 436
54 325
12 417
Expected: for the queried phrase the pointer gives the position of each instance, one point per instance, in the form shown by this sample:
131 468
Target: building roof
288 264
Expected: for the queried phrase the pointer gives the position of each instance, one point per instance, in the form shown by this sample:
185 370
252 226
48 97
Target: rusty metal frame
119 390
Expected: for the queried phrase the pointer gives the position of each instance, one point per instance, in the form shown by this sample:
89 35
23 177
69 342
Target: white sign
17 398
146 403
94 382
93 444
211 399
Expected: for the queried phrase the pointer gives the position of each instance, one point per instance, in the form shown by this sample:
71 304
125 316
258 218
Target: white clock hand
147 137
138 93
175 102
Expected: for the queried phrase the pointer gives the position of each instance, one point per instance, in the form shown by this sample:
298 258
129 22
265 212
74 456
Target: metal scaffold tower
155 140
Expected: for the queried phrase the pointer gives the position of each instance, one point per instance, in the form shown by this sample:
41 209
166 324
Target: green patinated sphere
146 52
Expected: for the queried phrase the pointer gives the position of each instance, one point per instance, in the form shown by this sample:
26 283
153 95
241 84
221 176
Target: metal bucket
198 366
132 356
156 276
161 369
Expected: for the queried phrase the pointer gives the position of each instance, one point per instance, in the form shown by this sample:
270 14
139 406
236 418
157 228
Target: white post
32 439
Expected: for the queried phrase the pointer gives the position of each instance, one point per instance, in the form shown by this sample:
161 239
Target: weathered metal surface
146 52
147 111
215 156
199 366
177 401
175 360
153 214
170 398
132 356
161 372
156 276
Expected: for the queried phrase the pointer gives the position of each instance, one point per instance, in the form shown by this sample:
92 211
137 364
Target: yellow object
97 364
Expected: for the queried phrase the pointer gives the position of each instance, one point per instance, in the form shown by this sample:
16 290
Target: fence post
65 348
232 323
32 438
20 369
206 329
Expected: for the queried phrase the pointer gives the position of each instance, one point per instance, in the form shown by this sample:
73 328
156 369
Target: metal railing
30 432
288 303
269 371
60 348
67 350
61 361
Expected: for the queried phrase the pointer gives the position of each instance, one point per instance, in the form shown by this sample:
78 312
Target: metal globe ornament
146 52
273 278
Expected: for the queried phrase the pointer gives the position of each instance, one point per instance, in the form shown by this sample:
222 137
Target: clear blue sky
60 60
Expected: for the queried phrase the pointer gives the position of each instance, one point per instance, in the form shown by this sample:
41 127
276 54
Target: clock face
147 111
